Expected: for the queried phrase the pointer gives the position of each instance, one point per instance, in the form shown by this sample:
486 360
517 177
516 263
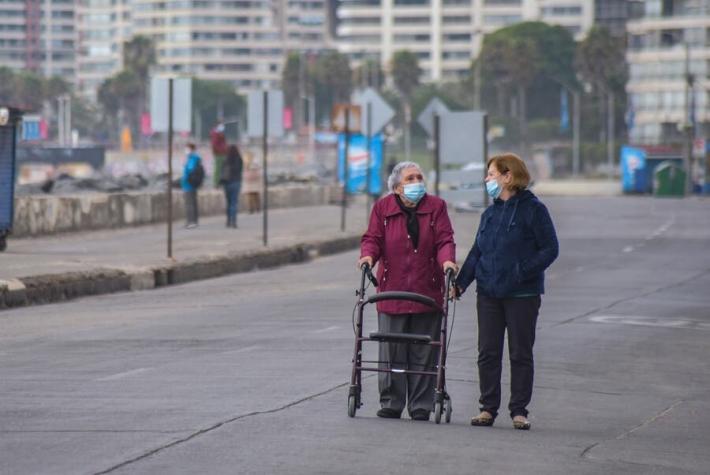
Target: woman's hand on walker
450 265
364 260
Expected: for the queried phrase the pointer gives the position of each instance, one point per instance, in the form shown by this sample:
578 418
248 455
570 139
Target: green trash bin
669 180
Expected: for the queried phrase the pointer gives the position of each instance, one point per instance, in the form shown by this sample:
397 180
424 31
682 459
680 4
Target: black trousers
411 390
191 207
519 317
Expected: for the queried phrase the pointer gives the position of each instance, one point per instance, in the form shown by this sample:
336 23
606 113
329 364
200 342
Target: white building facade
39 36
444 34
667 34
241 41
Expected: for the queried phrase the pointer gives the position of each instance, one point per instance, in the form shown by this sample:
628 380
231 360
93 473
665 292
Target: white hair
395 177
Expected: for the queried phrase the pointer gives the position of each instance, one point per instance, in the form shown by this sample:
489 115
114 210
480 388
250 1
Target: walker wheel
447 410
351 406
437 412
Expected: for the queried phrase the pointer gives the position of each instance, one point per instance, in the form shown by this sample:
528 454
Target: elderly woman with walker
411 239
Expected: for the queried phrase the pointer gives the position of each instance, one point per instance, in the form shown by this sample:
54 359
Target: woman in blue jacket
516 242
189 187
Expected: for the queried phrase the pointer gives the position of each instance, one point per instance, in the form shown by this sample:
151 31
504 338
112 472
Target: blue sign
634 177
357 163
564 111
7 175
31 130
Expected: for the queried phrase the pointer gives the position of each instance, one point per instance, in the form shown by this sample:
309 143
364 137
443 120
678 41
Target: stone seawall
39 215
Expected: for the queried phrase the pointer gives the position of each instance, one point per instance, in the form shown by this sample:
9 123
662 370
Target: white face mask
187 151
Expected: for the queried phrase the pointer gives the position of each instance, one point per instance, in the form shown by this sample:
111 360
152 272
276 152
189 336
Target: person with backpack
192 178
231 180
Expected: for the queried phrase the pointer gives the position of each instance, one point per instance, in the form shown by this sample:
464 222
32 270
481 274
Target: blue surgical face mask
493 188
414 191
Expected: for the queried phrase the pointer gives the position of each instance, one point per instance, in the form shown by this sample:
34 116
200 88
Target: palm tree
405 73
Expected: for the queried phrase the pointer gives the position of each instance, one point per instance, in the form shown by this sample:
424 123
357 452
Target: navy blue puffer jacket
515 243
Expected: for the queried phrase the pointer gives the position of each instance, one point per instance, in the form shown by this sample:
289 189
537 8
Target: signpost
429 120
459 138
265 119
346 118
378 115
168 96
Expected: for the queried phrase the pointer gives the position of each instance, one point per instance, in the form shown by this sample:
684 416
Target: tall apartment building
39 36
613 14
658 42
242 41
444 34
103 27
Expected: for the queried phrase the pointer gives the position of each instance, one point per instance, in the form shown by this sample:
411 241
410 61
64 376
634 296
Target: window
501 19
457 37
411 20
456 19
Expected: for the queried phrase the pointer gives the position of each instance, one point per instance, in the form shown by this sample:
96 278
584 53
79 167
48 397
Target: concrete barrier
43 215
66 286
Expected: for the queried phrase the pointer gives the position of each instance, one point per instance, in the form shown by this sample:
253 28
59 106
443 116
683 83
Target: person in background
516 241
411 240
189 186
218 141
232 182
251 185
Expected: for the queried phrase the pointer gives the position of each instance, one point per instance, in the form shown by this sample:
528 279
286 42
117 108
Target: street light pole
610 133
687 124
576 103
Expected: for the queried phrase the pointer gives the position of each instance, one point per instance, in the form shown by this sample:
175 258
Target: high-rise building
38 36
670 36
104 26
444 34
613 14
242 41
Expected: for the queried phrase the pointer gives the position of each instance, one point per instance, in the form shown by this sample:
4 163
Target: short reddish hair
509 162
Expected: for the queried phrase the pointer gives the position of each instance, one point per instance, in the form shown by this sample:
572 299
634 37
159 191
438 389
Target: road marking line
651 321
125 374
323 330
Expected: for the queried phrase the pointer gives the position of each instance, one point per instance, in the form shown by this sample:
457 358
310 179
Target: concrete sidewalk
578 187
49 269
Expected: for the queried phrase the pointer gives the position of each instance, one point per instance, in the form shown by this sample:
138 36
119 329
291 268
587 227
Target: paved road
248 374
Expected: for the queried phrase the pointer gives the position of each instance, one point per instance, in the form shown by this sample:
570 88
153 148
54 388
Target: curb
52 288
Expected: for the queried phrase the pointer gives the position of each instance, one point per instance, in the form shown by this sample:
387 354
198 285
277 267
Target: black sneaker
420 415
388 413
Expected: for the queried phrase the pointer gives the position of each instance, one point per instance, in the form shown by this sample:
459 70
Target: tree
291 79
333 81
121 101
369 74
553 64
123 96
139 56
212 97
405 72
601 61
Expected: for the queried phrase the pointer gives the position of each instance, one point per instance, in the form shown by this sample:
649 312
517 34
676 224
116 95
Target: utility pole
687 124
610 133
576 103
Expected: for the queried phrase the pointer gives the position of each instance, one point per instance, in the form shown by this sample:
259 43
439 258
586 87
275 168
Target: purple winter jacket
400 266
